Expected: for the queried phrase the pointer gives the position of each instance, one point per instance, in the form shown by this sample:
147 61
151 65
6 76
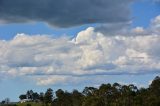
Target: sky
70 44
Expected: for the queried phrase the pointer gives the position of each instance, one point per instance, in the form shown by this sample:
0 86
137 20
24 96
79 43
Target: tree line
106 95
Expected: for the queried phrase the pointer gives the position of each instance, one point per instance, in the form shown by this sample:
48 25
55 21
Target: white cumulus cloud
60 60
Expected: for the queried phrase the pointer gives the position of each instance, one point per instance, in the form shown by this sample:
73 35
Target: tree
106 92
41 97
48 97
93 101
77 98
3 102
106 95
116 94
21 97
35 96
155 86
89 91
63 98
7 100
154 92
29 94
59 93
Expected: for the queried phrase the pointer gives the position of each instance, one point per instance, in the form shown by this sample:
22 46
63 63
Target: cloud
59 80
65 13
153 28
63 59
156 1
155 25
138 30
124 29
52 80
51 60
113 28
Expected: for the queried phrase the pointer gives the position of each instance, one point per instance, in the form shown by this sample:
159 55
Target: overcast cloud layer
90 53
65 13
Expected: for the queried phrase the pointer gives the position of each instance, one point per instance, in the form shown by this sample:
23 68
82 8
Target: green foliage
48 97
106 95
21 97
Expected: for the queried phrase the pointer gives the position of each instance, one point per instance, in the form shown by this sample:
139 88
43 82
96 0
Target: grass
30 104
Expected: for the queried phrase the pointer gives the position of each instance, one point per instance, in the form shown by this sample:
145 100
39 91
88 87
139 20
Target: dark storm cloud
65 13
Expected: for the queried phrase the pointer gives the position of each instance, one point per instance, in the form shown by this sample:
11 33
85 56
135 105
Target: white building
25 100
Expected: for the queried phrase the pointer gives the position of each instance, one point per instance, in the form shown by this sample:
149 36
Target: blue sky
30 61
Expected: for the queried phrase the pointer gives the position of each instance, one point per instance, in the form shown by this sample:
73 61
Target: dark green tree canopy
106 95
